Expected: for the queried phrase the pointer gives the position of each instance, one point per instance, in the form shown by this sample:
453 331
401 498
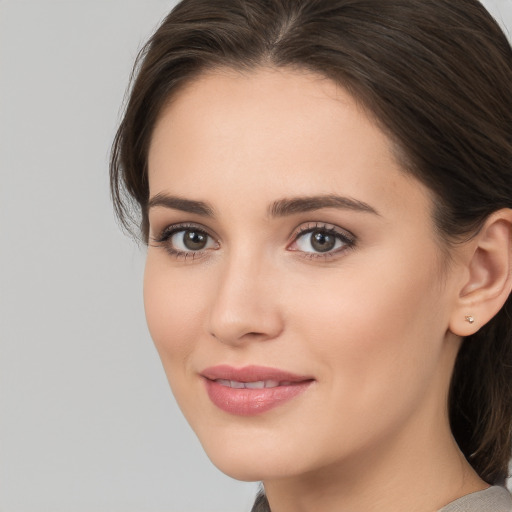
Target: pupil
322 242
194 241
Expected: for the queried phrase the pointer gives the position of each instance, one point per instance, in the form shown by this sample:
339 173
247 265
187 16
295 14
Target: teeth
255 385
260 384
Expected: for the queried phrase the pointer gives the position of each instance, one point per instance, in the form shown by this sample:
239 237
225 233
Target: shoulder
493 499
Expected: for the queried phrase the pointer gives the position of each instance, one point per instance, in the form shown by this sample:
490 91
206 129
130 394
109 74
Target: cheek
377 326
173 313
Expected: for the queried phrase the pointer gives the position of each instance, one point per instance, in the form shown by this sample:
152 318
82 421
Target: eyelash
347 239
164 237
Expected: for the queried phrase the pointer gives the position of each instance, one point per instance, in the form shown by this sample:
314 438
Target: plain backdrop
87 423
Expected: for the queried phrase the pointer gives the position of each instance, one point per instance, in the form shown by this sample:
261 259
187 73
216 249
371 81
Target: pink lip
248 402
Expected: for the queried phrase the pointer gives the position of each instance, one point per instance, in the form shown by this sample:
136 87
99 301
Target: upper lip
251 374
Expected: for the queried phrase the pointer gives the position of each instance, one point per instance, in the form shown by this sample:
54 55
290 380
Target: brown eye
191 240
322 242
194 240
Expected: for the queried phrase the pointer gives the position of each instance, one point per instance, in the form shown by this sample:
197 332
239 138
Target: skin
370 322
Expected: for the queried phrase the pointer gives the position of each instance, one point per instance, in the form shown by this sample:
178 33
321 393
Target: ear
487 279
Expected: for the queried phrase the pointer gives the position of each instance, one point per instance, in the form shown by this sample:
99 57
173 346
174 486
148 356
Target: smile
253 389
259 384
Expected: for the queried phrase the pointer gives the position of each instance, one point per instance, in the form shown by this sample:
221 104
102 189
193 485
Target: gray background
87 422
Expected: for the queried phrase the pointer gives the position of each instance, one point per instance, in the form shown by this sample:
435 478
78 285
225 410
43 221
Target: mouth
252 390
258 384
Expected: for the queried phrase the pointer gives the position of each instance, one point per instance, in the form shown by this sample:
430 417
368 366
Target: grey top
493 499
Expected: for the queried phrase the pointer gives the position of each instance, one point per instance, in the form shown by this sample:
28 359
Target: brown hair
435 74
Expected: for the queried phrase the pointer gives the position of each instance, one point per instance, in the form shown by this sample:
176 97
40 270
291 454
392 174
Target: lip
241 401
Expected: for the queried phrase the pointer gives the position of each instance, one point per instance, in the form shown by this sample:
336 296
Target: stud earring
470 319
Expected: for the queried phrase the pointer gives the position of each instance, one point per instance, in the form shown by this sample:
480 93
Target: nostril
240 337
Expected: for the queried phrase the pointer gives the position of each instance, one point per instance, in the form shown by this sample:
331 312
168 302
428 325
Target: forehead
275 132
287 104
297 96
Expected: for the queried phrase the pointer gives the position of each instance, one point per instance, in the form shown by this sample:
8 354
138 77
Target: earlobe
489 275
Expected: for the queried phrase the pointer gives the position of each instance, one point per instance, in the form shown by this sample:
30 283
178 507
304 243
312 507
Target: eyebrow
179 203
295 205
279 208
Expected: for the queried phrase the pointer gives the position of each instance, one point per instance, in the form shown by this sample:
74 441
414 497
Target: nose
244 305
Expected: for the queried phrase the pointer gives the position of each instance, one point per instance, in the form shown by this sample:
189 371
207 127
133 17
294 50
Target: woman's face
295 288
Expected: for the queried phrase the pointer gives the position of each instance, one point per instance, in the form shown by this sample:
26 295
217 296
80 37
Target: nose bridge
244 306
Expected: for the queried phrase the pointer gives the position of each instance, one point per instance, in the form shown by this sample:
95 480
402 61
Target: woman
325 187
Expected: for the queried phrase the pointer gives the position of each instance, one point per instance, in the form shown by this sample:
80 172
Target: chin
246 461
245 454
242 470
256 468
256 454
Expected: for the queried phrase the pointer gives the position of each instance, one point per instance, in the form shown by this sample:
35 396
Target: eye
180 240
318 239
191 240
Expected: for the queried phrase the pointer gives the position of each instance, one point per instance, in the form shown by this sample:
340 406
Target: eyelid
167 231
162 239
348 239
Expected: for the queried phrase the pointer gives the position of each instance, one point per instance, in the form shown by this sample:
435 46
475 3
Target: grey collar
493 499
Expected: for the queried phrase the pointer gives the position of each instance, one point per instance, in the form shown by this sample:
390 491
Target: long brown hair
435 74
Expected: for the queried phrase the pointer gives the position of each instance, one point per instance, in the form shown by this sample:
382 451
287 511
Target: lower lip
249 402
